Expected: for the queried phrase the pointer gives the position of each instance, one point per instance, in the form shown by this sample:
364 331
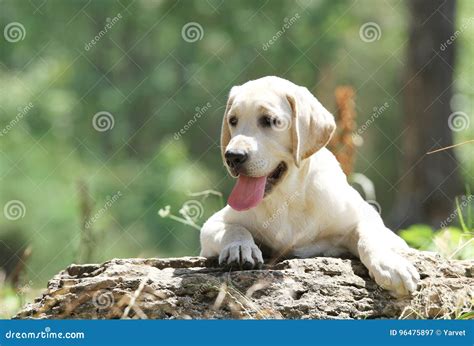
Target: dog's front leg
378 249
233 244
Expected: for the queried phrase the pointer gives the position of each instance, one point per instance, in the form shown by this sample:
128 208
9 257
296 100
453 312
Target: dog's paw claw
241 255
247 265
394 273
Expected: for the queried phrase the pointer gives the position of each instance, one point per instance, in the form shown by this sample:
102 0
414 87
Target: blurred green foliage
451 242
152 81
11 300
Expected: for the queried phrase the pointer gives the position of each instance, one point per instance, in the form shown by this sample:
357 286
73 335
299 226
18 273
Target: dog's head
270 125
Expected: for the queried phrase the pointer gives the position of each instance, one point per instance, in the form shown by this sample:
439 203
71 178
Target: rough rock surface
193 287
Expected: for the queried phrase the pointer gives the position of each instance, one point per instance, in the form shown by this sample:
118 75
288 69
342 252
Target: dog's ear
312 124
225 131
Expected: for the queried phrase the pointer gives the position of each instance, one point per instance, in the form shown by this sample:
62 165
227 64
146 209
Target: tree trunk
428 183
193 287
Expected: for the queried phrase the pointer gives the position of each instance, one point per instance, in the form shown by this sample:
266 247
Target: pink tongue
247 193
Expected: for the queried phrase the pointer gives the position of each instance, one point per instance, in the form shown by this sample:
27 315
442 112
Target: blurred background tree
428 184
156 74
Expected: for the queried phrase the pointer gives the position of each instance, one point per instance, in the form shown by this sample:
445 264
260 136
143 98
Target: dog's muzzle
235 158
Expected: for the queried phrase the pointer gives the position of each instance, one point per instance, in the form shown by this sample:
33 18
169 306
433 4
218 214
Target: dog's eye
233 121
266 121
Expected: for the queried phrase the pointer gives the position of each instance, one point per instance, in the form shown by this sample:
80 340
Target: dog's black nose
235 158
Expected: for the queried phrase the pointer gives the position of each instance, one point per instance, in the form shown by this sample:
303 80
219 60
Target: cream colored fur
312 210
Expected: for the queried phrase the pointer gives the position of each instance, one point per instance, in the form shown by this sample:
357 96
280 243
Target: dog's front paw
242 255
394 273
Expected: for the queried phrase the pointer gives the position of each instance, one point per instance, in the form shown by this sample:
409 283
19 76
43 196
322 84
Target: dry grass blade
449 147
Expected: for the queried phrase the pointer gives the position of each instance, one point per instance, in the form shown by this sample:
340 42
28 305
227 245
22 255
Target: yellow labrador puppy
291 195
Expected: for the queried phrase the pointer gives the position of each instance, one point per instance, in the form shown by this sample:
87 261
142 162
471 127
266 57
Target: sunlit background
111 111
